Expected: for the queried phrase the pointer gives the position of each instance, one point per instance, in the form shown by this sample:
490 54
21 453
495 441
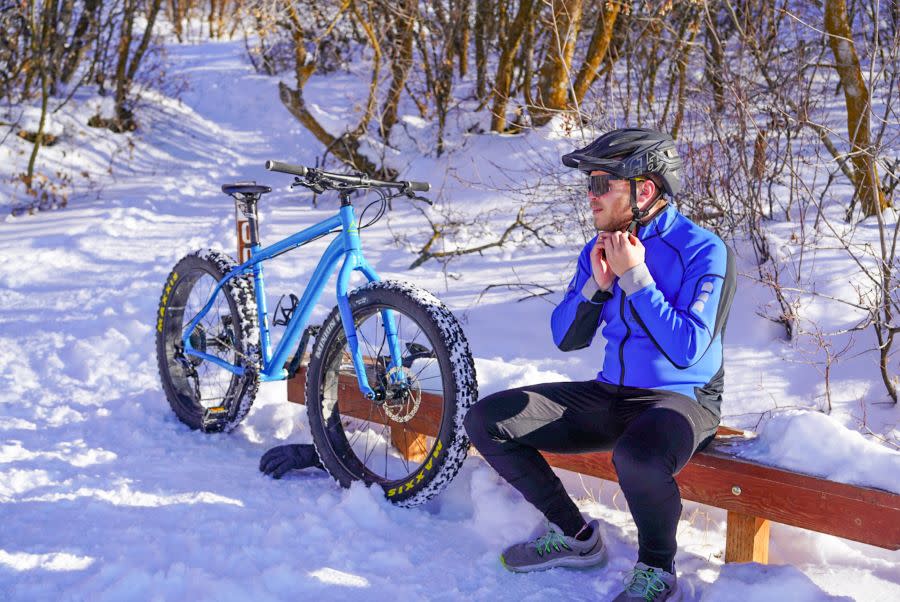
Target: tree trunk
304 66
856 96
128 63
401 61
48 22
138 56
715 63
683 59
451 24
603 31
554 76
503 79
482 16
85 30
58 42
210 17
177 17
462 39
362 126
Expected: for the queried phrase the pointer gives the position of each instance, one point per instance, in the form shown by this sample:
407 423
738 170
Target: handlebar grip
297 170
420 186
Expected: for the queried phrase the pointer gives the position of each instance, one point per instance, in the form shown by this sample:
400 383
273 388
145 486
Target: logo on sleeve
705 291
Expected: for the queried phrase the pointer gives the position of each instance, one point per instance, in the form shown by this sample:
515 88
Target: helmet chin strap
636 214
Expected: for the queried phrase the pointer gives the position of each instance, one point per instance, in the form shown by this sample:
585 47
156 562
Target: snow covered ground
104 495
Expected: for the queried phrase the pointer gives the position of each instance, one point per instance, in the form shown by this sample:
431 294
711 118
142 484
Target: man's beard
618 225
622 224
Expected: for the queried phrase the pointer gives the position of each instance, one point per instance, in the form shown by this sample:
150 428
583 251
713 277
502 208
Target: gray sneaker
649 584
555 549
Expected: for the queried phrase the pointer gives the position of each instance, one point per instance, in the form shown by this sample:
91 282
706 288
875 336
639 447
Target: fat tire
459 383
241 300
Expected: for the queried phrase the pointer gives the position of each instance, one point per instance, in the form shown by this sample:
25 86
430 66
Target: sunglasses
599 185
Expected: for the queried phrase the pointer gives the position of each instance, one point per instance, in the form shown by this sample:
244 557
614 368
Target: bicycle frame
346 245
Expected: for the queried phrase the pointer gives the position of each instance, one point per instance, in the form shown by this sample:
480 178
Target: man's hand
623 251
603 274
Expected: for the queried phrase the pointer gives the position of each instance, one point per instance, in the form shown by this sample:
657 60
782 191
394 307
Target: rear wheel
412 443
202 394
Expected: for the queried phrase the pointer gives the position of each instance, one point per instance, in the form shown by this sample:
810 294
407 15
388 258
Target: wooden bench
754 495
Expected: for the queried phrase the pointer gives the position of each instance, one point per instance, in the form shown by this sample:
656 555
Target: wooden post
746 539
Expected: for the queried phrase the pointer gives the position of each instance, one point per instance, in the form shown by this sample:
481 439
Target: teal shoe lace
550 542
644 583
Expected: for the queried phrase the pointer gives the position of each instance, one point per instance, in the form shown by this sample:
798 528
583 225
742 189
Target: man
661 288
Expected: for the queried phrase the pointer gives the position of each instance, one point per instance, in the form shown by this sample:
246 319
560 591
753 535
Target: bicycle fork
354 260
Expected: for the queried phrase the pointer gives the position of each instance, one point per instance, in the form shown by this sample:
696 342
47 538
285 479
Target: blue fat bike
389 378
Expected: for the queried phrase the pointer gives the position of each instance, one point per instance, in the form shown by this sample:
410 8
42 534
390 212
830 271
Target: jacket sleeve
684 328
576 319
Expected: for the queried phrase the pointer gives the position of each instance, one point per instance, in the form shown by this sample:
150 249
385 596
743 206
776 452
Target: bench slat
714 477
858 513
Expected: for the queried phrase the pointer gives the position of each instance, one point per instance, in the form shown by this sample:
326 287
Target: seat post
245 204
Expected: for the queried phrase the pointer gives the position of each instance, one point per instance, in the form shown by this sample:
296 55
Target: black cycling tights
651 433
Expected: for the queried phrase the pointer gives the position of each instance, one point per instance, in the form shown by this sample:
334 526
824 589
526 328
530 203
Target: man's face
611 211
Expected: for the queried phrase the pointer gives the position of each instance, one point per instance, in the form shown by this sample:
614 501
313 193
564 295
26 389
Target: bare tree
858 101
511 38
554 86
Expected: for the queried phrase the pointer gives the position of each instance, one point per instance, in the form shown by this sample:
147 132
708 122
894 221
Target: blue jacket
663 320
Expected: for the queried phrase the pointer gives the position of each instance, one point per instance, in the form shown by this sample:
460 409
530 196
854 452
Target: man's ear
648 193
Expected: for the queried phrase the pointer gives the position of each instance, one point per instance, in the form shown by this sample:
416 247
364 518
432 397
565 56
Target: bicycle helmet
631 153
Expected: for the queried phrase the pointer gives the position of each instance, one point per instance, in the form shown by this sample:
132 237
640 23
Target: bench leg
411 446
747 539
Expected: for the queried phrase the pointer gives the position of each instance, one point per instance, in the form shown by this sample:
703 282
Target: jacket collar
660 223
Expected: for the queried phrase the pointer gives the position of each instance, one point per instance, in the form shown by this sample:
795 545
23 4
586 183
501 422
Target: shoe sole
574 562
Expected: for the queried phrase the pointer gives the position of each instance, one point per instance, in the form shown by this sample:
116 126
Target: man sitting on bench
662 287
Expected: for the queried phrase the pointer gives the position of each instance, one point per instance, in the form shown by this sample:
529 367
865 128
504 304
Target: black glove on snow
278 460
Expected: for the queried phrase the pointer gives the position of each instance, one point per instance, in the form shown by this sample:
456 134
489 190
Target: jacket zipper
624 339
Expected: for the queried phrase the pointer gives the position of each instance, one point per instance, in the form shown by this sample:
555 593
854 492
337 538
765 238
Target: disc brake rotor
403 400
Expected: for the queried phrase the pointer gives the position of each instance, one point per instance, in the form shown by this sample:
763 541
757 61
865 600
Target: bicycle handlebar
353 181
296 170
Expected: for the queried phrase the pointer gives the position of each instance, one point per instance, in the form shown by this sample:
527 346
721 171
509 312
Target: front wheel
411 442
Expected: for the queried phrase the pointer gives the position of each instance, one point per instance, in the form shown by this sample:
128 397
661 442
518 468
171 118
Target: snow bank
817 444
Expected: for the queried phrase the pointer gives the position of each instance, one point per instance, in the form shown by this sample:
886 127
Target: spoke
371 406
365 339
423 446
406 446
418 332
386 460
383 339
428 378
355 434
422 369
381 435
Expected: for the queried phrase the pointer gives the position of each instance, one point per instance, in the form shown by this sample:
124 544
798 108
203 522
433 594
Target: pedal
214 418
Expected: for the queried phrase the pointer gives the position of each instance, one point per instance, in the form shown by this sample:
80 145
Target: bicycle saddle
251 188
